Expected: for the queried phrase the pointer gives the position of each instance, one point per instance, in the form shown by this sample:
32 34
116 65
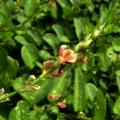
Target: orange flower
48 65
66 55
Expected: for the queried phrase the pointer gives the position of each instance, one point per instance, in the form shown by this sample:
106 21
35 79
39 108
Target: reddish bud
48 65
62 104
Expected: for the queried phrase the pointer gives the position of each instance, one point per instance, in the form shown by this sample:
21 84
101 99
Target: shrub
59 59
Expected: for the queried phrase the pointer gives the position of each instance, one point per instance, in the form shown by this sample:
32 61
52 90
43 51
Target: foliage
31 32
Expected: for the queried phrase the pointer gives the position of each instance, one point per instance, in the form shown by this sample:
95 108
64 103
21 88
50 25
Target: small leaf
20 111
118 79
12 67
104 61
5 20
78 26
60 33
3 59
116 44
2 118
60 117
45 55
51 39
30 55
100 106
30 6
20 39
82 26
91 91
116 108
35 37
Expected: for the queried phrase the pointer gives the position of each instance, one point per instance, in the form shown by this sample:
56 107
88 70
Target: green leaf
12 67
116 108
79 101
2 118
118 79
9 72
34 36
20 39
30 7
62 83
5 20
64 3
89 4
51 39
20 111
34 96
60 117
111 54
78 26
3 59
116 44
45 55
68 12
7 7
82 26
75 3
91 91
104 61
30 55
60 33
100 106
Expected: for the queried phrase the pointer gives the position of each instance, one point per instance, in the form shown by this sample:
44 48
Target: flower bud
62 104
54 96
35 87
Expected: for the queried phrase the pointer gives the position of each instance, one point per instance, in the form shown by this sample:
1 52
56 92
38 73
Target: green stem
85 43
89 38
8 95
43 75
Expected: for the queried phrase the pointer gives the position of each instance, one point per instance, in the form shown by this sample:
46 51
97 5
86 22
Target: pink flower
62 104
66 55
48 65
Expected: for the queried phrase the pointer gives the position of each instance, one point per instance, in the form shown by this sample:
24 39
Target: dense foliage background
31 32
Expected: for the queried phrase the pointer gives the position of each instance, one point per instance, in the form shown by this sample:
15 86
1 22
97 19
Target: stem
43 75
85 43
89 38
8 95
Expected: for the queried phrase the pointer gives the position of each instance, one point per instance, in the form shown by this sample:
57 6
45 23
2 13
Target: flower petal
71 58
67 52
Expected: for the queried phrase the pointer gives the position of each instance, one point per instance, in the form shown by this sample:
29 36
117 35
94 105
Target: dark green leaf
118 79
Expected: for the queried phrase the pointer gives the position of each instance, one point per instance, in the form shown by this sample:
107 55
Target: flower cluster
65 55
